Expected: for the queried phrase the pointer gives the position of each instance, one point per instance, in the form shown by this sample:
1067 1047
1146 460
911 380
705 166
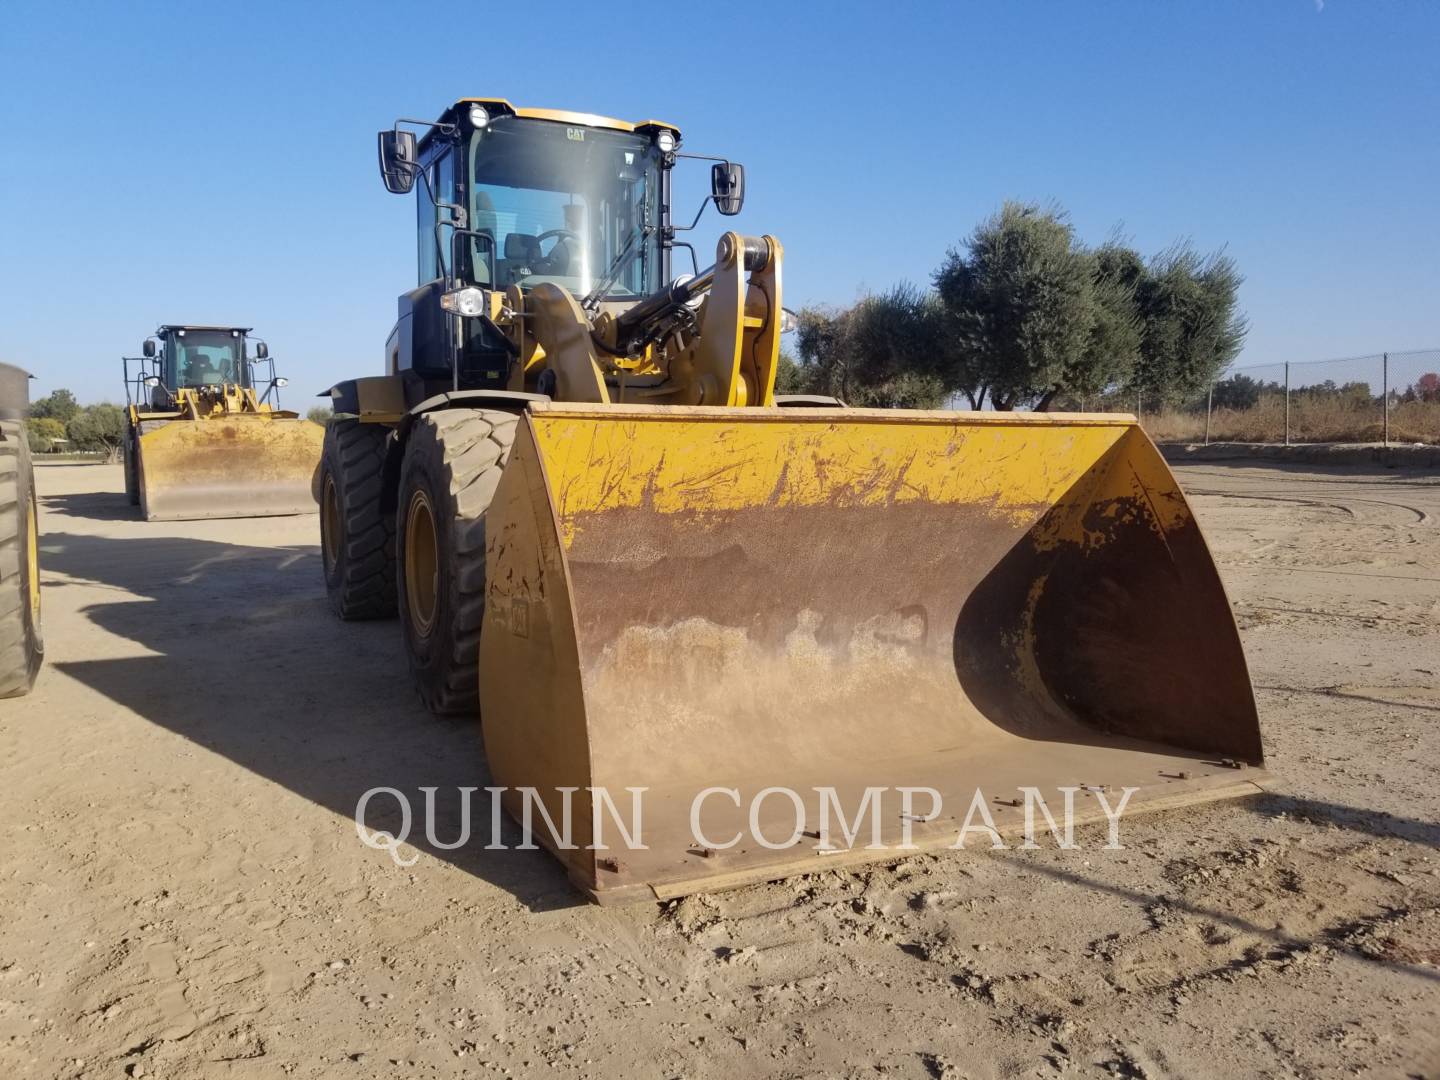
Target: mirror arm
695 221
704 157
450 131
708 198
694 262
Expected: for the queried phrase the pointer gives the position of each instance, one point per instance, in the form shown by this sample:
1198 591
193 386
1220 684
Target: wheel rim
422 564
32 561
330 523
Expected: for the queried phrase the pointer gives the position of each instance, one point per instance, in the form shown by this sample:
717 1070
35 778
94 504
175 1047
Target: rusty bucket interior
237 465
700 602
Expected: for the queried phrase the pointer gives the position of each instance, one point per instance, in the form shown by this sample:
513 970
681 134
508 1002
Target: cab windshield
204 358
564 204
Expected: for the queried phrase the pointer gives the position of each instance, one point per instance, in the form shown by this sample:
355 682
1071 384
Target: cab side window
441 174
425 226
445 192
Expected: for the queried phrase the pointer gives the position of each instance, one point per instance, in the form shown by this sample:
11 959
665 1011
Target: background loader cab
202 361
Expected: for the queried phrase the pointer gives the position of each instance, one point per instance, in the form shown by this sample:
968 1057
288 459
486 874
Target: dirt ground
183 894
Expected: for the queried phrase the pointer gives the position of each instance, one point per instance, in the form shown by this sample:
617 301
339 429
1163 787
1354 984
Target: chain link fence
1387 398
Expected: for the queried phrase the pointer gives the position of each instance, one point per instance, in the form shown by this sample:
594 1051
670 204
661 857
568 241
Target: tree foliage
1240 392
1112 346
1020 299
60 405
789 376
875 353
1192 328
1426 388
1024 315
42 431
97 427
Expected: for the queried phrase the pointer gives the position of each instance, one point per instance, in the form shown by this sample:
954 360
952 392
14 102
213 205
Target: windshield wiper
628 252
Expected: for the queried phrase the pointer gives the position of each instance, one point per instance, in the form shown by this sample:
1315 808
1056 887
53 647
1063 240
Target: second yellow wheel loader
206 436
601 527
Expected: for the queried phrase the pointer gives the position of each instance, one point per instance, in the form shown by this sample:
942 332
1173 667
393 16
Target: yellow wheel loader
732 616
22 647
207 437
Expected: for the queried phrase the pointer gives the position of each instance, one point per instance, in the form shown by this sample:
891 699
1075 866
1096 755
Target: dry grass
1311 420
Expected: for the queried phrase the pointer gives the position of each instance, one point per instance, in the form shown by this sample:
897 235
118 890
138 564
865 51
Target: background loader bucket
688 599
242 465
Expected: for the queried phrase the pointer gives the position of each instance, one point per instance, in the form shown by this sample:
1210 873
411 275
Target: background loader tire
21 647
357 538
453 460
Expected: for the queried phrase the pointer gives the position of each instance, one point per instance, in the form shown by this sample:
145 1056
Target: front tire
453 460
357 538
22 648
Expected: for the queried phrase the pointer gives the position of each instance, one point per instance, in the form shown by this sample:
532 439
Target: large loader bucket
829 601
241 465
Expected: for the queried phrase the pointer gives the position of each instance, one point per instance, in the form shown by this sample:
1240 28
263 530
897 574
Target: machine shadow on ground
94 505
222 617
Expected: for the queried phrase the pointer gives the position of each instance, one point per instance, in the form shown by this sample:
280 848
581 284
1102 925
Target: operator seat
522 252
202 372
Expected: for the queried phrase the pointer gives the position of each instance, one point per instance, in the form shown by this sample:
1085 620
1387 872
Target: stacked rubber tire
22 648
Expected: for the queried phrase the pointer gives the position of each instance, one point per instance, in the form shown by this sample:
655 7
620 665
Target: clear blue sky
216 163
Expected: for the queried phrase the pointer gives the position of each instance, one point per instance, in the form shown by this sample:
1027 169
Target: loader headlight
467 302
665 140
479 116
152 381
282 382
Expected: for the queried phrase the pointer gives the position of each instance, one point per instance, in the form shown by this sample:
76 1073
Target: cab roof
560 116
196 326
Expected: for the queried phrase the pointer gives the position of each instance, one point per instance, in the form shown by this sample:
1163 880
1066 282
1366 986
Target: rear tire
453 461
22 649
357 538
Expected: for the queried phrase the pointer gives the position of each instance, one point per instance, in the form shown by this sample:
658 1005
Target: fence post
1287 402
1385 395
1209 407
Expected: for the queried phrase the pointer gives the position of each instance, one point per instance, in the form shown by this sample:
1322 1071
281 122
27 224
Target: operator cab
197 358
507 198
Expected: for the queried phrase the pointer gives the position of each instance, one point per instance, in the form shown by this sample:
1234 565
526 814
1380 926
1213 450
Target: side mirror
727 187
397 161
149 347
262 351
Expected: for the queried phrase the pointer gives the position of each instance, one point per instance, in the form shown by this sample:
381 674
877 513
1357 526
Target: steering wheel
550 264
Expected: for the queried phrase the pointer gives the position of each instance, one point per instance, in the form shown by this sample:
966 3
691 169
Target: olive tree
1192 326
1019 300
